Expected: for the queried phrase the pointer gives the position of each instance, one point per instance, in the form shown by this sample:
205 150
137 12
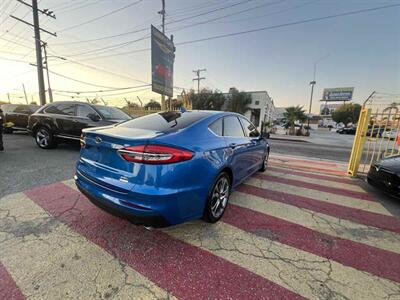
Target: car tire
44 138
265 163
8 130
217 199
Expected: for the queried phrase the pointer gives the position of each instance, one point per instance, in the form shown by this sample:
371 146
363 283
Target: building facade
261 109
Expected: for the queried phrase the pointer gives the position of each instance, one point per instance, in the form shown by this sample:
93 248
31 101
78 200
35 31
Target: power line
120 45
255 30
288 24
73 8
16 43
101 17
227 15
103 95
113 47
103 91
270 13
81 81
167 23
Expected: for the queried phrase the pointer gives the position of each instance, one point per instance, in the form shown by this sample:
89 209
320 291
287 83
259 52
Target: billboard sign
162 63
338 94
328 109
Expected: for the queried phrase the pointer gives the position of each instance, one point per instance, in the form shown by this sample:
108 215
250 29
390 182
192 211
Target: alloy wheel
43 138
220 197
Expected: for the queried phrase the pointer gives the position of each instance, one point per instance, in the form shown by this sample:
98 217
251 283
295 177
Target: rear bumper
136 217
389 184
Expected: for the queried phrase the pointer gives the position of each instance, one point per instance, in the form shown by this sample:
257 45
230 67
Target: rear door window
232 127
22 109
216 127
166 121
61 109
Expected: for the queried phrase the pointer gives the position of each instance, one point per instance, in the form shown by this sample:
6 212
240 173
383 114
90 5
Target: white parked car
390 134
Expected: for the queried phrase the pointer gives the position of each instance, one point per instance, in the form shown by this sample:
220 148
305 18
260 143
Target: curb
288 140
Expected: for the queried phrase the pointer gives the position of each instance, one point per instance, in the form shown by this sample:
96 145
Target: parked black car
384 174
63 121
347 130
18 115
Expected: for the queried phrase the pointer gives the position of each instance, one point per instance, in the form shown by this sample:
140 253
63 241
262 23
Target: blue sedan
170 167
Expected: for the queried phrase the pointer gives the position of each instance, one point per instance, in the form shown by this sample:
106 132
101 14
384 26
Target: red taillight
154 154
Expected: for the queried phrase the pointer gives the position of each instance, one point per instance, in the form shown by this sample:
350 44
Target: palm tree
238 101
293 114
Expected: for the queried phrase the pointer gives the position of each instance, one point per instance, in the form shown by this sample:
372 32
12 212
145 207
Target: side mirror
93 117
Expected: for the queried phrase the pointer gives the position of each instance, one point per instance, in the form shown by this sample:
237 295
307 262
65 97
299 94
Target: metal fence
378 132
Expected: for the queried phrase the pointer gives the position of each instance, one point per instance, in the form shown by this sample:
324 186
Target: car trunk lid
102 164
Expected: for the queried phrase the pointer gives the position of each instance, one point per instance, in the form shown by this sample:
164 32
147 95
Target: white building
279 113
262 108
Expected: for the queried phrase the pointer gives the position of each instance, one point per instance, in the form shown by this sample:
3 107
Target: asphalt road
337 153
23 165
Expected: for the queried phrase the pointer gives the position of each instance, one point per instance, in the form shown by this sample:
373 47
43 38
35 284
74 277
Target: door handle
233 145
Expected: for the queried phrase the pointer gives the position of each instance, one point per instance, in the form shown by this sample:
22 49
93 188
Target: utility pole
162 13
39 61
312 83
37 29
26 98
8 96
47 71
198 79
104 102
141 103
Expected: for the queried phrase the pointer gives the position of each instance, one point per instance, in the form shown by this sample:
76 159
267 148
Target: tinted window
232 127
166 121
112 113
216 127
33 108
61 109
22 109
8 107
249 129
84 111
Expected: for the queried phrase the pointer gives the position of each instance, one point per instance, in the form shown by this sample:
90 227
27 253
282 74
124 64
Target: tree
176 104
347 113
238 101
207 99
153 105
130 108
292 115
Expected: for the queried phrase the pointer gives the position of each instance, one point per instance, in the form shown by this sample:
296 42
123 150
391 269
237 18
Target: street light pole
312 83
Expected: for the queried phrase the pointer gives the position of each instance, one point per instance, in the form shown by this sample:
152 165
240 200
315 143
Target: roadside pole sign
338 94
162 63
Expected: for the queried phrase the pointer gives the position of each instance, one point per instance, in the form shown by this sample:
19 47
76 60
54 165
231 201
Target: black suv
17 115
63 121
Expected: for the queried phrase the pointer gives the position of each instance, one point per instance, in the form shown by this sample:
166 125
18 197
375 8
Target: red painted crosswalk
299 230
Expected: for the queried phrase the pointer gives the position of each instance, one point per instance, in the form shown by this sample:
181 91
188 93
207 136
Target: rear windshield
112 113
166 121
8 107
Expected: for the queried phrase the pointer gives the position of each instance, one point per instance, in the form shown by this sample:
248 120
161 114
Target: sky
360 50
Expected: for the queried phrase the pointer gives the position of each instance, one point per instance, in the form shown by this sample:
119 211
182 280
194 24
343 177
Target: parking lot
302 229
